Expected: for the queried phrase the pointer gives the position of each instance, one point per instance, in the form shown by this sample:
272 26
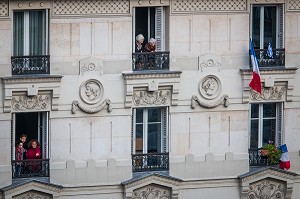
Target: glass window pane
269 130
18 34
154 138
254 134
254 110
269 26
256 27
139 116
139 138
36 32
269 110
154 115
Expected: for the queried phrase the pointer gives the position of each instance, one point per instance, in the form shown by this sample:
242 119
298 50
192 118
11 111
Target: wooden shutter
133 131
279 123
159 28
13 135
280 41
165 120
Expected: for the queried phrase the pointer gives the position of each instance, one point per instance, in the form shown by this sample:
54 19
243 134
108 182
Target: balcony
257 159
30 168
150 162
25 65
265 61
150 61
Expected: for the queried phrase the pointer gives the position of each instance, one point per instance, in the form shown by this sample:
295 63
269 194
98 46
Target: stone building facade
177 123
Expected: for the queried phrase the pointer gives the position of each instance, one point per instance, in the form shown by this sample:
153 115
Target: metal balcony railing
30 168
150 61
23 65
150 162
257 159
264 60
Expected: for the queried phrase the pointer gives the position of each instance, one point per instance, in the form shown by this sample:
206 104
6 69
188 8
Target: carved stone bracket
91 66
31 93
96 109
196 100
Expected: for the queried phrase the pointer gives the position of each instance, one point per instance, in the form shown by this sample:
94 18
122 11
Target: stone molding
91 66
28 5
152 82
33 195
196 100
293 5
90 7
4 10
153 179
32 87
264 176
96 109
152 191
266 1
271 79
190 6
154 98
42 187
31 103
149 3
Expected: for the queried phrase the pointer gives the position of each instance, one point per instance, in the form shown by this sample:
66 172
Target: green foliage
273 153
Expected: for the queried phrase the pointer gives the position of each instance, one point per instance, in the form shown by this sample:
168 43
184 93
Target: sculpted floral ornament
38 102
161 97
210 63
96 109
224 99
273 93
267 189
152 192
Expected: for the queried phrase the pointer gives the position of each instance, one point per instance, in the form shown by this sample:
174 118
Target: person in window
151 45
139 44
33 152
23 138
19 157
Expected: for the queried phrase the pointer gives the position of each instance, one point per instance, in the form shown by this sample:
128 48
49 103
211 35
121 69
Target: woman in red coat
33 152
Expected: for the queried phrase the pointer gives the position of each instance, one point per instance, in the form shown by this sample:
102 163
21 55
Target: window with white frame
30 33
267 26
150 22
150 131
265 124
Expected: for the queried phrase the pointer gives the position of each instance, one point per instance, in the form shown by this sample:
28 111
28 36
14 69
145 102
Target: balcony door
35 126
30 33
150 131
267 26
150 22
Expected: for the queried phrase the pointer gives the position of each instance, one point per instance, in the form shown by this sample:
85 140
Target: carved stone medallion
91 91
25 103
210 87
152 192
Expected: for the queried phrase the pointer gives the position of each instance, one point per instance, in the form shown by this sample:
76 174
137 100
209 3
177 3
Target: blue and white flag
270 51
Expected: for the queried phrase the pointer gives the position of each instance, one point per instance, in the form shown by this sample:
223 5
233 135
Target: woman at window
33 152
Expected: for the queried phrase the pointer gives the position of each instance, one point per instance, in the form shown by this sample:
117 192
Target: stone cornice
31 85
151 74
151 81
270 77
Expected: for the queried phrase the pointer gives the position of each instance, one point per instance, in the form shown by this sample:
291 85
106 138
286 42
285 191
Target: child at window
19 156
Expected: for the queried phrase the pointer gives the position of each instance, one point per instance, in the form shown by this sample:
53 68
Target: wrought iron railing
30 168
150 61
23 65
264 60
150 162
256 158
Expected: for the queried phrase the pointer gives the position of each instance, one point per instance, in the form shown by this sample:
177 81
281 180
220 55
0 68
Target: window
150 130
30 33
150 21
267 26
265 124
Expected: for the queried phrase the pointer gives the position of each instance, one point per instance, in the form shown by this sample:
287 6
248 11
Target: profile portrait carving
210 87
91 91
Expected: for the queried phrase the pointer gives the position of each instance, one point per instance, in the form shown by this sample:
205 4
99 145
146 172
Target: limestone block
122 38
60 39
85 39
101 40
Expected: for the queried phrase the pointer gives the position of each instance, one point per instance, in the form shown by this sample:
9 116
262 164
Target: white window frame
279 124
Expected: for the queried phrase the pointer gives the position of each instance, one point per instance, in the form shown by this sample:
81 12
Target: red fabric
285 165
19 153
255 83
31 153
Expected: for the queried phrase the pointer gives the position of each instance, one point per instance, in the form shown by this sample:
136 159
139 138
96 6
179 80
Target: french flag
255 83
284 162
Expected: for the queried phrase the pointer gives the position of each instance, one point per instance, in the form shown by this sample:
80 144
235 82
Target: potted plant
271 152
